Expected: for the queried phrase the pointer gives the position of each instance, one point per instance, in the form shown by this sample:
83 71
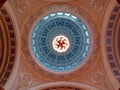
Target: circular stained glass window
60 41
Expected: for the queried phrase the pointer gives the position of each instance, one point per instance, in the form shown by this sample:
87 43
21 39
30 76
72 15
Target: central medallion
60 44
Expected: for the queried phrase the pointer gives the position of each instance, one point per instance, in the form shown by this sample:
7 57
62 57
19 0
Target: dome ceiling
41 30
60 41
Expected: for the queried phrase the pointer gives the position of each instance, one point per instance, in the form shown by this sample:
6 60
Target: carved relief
97 77
25 79
22 6
96 5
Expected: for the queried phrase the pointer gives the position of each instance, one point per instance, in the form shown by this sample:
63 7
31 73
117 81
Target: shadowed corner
2 2
1 87
119 3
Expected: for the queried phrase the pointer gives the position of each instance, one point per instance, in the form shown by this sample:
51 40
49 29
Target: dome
60 41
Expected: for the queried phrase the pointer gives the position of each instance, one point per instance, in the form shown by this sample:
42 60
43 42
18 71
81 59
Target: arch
8 8
103 41
63 83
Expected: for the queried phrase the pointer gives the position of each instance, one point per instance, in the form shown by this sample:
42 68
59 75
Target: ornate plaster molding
58 0
55 8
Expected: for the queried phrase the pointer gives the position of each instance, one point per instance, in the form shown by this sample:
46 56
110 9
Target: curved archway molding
73 84
108 70
13 75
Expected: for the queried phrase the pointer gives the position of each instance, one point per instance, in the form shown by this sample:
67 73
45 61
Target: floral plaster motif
25 79
22 6
96 5
97 77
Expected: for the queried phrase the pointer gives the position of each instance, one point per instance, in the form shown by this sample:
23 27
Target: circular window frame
58 71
